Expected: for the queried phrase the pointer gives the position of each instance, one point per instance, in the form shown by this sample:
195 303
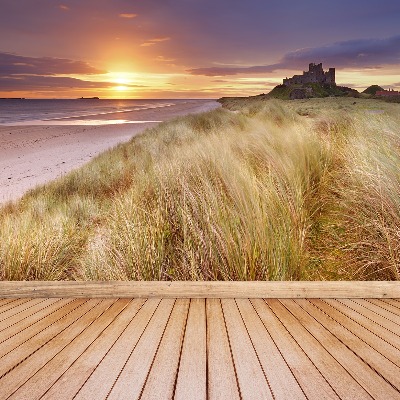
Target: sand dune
34 155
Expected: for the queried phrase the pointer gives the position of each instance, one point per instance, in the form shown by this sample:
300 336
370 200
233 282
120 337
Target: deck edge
191 289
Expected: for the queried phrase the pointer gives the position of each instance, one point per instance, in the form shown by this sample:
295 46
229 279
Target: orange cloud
160 39
63 7
128 15
152 42
163 59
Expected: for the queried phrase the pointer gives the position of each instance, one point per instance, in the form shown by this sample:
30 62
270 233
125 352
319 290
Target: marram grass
263 191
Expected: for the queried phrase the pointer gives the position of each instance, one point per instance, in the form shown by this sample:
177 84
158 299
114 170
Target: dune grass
261 190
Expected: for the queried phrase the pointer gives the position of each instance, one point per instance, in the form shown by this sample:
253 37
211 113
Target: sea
79 111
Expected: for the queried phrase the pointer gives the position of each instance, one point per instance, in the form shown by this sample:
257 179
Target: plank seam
21 311
8 308
180 352
387 306
41 319
350 349
130 354
71 340
34 323
365 327
28 316
255 351
279 350
116 340
360 338
155 353
49 339
365 314
55 382
397 323
371 310
230 350
298 344
386 309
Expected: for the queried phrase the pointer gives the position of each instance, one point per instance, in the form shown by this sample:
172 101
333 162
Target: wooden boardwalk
199 348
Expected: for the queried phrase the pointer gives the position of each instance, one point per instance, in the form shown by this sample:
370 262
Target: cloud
362 53
164 59
29 82
128 15
63 7
12 64
152 42
160 39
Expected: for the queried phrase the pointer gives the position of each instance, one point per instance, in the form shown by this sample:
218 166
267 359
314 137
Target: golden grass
272 191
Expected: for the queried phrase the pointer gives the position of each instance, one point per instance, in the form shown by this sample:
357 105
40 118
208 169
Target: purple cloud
35 82
13 64
362 53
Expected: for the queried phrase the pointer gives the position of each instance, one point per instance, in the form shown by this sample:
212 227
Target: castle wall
315 74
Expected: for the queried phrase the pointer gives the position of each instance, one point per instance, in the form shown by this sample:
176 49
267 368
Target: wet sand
34 155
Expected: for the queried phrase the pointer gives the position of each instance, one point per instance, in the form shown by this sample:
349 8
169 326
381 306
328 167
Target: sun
123 81
121 88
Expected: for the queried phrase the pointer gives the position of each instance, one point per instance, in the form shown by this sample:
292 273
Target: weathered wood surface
199 349
244 290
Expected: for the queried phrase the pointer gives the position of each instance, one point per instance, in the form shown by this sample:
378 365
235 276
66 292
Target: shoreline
32 155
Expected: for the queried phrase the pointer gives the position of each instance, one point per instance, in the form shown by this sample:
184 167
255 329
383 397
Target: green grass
261 190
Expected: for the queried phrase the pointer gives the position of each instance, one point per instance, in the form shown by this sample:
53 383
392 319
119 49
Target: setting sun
121 88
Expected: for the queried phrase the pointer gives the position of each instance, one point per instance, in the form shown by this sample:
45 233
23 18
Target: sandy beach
33 155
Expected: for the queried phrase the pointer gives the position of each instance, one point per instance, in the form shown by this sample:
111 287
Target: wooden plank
33 371
30 346
376 318
162 377
338 378
393 302
368 323
355 355
131 381
83 333
257 289
282 382
382 312
68 385
16 310
383 347
26 312
21 335
13 304
192 374
388 307
105 375
4 302
222 383
253 383
310 379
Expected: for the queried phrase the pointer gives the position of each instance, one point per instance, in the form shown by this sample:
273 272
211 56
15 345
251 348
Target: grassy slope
307 189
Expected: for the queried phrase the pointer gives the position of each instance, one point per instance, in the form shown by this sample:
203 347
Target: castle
315 74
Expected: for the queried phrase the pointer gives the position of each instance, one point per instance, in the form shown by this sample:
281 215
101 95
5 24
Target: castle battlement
315 74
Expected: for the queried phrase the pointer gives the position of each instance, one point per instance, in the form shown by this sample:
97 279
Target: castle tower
331 76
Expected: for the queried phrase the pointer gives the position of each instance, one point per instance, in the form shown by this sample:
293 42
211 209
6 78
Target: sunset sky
191 48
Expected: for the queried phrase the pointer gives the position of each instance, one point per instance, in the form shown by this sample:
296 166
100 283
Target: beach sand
34 155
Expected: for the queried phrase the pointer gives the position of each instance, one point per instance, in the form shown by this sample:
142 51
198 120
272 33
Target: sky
191 48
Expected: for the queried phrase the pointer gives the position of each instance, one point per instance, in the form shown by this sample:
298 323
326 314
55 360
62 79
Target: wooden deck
76 348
